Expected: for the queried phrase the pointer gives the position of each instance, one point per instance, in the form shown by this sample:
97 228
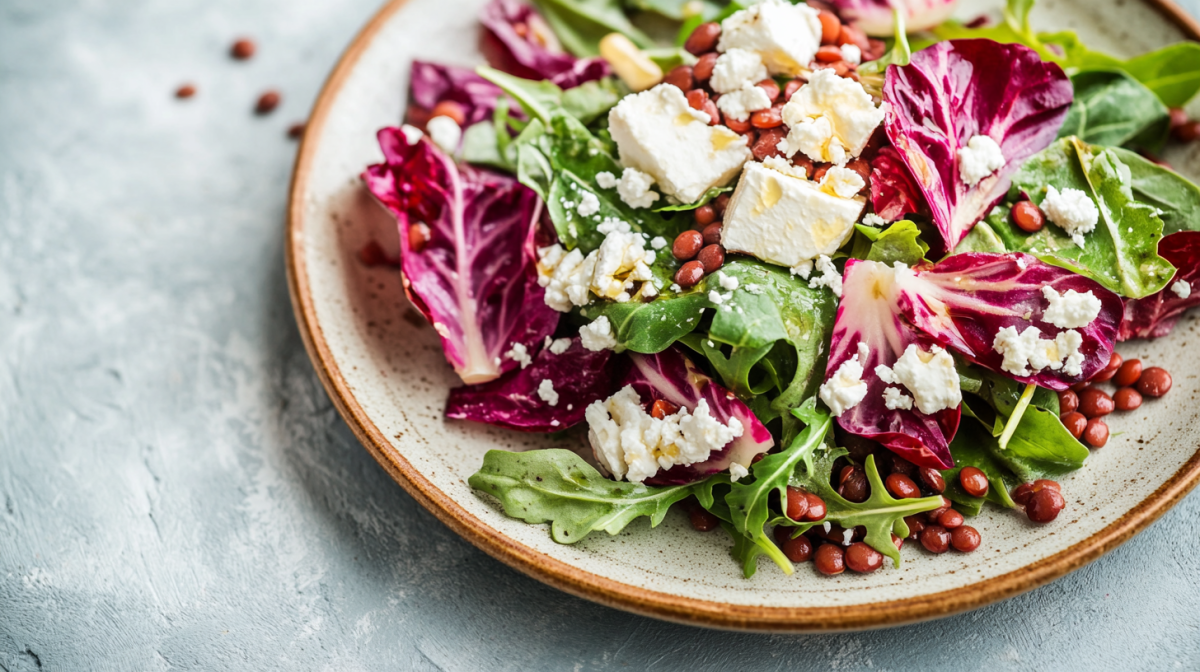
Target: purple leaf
1155 315
517 40
466 253
956 90
432 83
577 376
894 193
671 376
874 17
960 305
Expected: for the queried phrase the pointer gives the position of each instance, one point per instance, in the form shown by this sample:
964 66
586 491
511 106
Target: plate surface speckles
384 369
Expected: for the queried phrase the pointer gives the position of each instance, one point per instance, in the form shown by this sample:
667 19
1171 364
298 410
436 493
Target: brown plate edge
623 596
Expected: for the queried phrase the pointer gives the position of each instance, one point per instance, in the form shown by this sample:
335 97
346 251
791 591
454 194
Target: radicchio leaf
1155 315
474 278
671 376
874 17
894 193
956 90
579 377
517 40
432 83
958 304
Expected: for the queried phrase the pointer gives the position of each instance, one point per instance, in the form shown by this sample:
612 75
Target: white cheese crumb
520 354
588 204
675 288
737 472
737 69
851 54
412 134
546 391
753 289
830 118
727 281
842 182
872 219
598 335
1182 289
1028 351
740 104
658 243
802 269
845 388
634 445
559 346
606 180
554 423
715 297
829 276
930 377
894 399
1071 310
1072 210
634 188
980 158
445 133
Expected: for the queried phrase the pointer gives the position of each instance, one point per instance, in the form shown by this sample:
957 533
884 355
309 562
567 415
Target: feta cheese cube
786 220
1071 310
737 69
830 119
980 158
1072 210
787 36
659 134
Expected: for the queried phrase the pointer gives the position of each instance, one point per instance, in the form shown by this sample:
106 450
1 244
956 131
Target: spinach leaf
1041 447
556 486
982 238
899 242
749 501
541 99
708 196
899 54
679 10
1112 108
1172 73
1122 253
1176 197
973 446
580 24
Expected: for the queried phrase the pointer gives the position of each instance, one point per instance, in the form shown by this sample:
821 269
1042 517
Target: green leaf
1113 108
479 147
749 501
556 486
982 238
541 99
899 242
1122 253
1176 197
973 446
900 53
1173 72
708 196
680 10
580 24
1041 447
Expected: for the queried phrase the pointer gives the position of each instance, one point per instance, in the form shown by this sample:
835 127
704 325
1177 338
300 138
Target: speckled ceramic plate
385 371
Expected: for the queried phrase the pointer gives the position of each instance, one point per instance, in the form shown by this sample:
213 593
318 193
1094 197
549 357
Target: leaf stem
1015 419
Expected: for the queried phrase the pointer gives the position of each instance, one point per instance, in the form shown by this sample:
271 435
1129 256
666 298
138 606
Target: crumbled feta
727 281
846 388
658 133
519 354
894 399
842 182
830 119
1071 310
739 105
829 276
802 269
1027 353
785 35
676 289
559 346
715 297
786 220
737 69
737 472
1072 210
445 133
872 219
634 188
606 180
782 165
597 335
412 134
546 392
567 276
851 54
1181 288
588 204
929 376
620 259
634 445
980 158
658 243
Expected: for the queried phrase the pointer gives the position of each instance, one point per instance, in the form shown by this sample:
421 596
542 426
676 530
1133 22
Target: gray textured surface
176 490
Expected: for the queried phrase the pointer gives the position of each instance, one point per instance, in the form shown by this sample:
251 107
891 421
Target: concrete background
176 490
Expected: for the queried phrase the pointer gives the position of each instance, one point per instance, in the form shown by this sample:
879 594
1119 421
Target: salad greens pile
935 270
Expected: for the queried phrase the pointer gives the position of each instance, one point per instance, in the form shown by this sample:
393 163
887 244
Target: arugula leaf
1122 253
556 486
1113 108
749 501
1176 197
580 24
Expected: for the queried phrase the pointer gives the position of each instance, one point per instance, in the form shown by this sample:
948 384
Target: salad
828 276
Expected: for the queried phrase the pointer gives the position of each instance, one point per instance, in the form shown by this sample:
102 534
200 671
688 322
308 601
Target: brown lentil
1022 493
830 559
915 524
661 408
852 35
714 115
1096 433
1028 217
296 130
689 274
1075 422
829 54
712 257
965 539
720 203
803 163
791 88
902 487
687 245
1127 399
703 68
797 550
974 481
1110 370
1129 373
186 91
1154 382
449 108
680 77
770 88
705 215
702 520
1188 132
703 39
932 479
712 234
831 27
267 102
1044 505
950 519
767 144
243 49
816 508
1095 402
935 539
1068 402
797 503
819 172
854 487
772 117
737 126
862 558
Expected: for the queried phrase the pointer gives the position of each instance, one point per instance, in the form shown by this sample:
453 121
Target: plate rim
614 593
